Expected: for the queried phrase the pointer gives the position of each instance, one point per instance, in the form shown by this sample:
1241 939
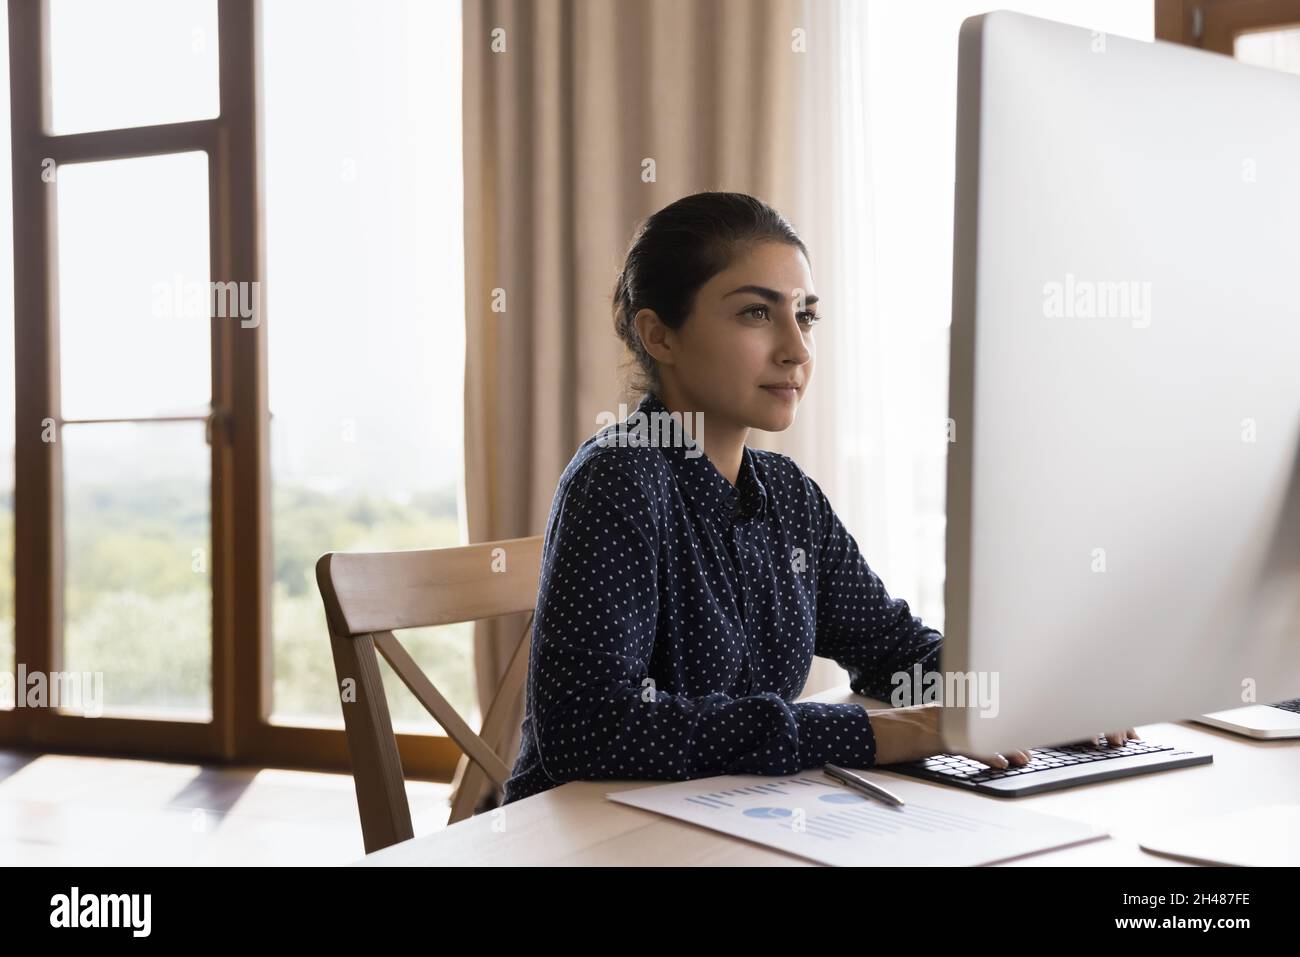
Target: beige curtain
566 104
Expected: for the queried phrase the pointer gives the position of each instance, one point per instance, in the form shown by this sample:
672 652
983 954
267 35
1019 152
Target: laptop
1261 721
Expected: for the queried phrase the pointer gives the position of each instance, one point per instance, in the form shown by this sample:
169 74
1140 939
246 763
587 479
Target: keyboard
1051 768
1293 705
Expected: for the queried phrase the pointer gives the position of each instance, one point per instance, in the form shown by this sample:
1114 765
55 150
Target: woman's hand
1016 759
1115 738
906 734
912 733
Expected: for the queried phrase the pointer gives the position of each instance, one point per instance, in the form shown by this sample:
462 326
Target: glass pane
134 311
1279 49
6 388
120 63
137 588
366 369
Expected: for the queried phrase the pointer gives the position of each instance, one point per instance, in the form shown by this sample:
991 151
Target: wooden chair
369 594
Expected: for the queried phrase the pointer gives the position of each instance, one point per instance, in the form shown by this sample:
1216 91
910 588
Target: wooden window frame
242 648
1215 24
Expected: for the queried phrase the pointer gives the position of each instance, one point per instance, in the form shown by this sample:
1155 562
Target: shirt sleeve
859 626
597 713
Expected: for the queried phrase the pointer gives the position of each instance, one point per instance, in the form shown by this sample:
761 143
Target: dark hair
676 251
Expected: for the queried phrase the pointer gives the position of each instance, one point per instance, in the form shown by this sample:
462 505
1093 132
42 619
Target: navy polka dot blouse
678 615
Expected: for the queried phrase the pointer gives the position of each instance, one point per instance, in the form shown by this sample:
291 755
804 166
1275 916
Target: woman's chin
776 420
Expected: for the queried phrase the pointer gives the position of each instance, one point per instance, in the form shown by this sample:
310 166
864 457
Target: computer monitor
1123 538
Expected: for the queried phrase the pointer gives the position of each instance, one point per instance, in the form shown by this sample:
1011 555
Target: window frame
242 647
1214 24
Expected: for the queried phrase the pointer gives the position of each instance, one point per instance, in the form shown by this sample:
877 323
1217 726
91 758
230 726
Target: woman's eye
806 317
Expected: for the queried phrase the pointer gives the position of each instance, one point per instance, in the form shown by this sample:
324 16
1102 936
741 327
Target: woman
686 585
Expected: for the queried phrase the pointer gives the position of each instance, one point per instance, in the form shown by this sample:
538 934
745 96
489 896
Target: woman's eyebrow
771 295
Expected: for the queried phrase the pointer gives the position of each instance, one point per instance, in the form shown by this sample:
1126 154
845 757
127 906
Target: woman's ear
654 335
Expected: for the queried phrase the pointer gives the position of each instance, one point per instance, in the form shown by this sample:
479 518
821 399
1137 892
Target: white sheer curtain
880 230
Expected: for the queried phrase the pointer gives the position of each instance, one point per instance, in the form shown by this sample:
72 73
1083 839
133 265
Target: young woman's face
750 332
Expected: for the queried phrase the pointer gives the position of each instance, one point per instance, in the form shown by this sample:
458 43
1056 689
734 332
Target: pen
860 783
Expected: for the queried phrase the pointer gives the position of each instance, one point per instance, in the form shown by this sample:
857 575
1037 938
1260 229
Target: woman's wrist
906 734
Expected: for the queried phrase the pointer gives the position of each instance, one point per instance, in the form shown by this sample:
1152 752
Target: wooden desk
575 824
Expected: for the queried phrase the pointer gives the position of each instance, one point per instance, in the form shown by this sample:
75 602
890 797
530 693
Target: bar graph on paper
844 813
814 816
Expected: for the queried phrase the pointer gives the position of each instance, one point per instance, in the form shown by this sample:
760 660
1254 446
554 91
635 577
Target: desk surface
576 824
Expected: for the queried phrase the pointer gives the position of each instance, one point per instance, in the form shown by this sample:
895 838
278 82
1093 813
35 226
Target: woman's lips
784 394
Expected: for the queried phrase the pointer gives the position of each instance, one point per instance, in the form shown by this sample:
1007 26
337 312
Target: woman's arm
595 712
859 626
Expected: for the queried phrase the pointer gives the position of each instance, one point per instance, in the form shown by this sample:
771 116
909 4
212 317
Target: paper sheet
814 816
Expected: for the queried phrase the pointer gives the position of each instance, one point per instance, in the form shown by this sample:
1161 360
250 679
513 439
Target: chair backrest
367 596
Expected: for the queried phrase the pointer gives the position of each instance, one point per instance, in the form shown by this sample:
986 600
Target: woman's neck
723 443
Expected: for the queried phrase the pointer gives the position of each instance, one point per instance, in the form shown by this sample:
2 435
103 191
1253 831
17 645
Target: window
365 290
896 194
116 523
1279 49
136 380
106 60
179 463
1259 32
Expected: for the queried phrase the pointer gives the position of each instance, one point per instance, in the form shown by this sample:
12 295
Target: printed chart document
814 816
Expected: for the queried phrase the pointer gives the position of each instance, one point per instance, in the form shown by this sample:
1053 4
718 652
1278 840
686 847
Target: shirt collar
706 485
